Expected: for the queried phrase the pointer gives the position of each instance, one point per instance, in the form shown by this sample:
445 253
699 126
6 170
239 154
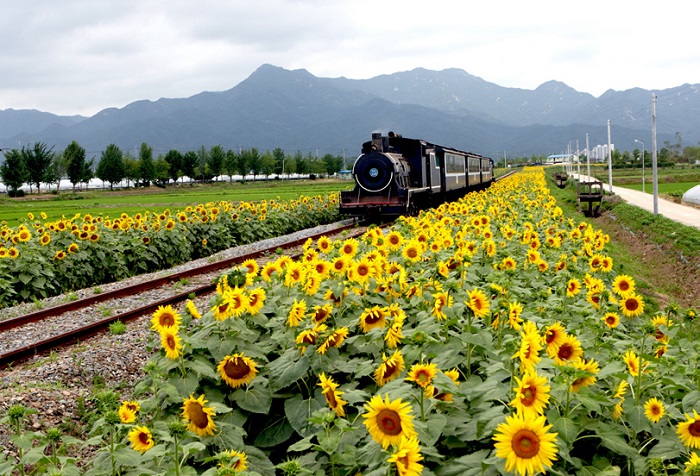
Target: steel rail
75 335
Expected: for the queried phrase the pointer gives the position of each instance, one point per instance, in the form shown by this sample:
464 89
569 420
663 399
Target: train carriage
398 176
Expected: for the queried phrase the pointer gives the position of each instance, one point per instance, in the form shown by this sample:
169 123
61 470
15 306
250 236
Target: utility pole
609 160
655 175
588 157
578 162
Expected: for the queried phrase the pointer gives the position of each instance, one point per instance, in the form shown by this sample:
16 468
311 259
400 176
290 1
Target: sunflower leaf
285 370
256 399
298 411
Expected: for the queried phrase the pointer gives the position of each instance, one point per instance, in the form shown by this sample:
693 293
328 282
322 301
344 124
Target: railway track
202 278
200 281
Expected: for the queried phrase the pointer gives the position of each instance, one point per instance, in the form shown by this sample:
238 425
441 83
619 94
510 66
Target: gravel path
58 384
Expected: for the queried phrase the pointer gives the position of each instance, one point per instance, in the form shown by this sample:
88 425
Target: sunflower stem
177 458
422 399
637 393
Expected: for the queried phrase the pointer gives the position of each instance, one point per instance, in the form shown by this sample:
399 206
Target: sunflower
526 444
308 337
591 369
336 339
389 369
654 410
361 271
45 239
252 267
394 240
322 267
340 265
611 319
268 270
412 251
528 353
171 343
623 285
59 254
621 389
192 309
573 287
324 244
531 395
632 305
165 317
141 439
294 273
633 363
657 322
199 417
394 334
349 247
422 374
127 411
478 303
232 459
445 396
689 430
297 313
237 370
515 309
554 336
407 457
256 301
387 421
374 318
569 351
442 299
332 394
692 466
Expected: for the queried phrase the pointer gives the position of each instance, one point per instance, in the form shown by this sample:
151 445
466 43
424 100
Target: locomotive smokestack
377 141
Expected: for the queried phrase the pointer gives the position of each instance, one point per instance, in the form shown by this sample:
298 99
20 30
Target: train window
454 164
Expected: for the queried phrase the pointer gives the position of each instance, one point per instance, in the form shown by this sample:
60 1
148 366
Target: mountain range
297 111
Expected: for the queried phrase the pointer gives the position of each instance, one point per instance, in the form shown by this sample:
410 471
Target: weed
117 328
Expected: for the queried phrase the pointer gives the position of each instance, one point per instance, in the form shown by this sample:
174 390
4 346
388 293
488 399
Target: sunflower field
487 336
40 258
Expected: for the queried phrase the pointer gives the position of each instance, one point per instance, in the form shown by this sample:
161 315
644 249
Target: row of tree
36 164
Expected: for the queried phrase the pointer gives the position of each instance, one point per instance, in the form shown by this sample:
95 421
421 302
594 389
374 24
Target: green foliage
111 167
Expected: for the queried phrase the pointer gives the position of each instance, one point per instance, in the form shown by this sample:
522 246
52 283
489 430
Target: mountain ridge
295 110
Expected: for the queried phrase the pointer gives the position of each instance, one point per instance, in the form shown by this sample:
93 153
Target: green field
664 188
135 200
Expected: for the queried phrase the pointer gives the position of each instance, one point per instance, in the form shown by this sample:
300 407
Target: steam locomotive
400 176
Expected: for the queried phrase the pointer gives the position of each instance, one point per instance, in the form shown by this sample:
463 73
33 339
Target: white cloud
79 56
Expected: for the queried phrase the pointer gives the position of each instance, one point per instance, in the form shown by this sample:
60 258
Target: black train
399 176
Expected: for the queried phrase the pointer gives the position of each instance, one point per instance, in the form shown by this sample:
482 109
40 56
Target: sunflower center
362 270
525 444
565 352
631 304
330 398
422 376
197 416
694 428
389 422
223 307
624 286
170 341
411 252
390 369
236 368
373 318
167 319
143 438
527 396
549 336
610 320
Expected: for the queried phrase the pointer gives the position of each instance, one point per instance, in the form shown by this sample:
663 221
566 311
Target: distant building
599 153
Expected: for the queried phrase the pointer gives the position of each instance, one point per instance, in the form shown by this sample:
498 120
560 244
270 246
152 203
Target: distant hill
295 110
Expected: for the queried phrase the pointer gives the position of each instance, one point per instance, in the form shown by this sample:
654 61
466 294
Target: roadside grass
651 231
667 188
173 197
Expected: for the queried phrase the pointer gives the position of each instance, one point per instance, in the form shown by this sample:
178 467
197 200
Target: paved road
684 214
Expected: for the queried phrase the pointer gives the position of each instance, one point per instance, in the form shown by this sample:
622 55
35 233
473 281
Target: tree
189 164
231 164
244 163
74 155
38 160
302 163
147 167
202 159
162 171
131 168
111 167
254 162
53 175
278 155
13 171
215 160
334 163
174 160
267 164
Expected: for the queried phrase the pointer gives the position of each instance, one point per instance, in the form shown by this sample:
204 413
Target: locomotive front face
374 171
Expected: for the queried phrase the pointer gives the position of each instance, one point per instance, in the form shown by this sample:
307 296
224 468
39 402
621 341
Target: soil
663 263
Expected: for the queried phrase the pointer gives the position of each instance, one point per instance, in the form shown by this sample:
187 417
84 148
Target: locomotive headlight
373 172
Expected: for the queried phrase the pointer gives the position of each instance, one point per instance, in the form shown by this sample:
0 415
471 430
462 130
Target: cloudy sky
81 56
